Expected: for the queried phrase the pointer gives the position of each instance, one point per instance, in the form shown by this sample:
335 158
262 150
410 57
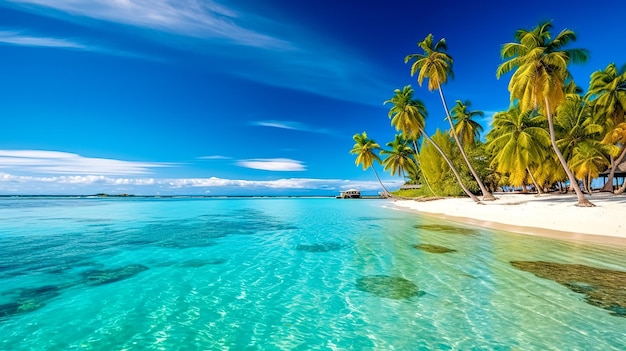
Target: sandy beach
553 215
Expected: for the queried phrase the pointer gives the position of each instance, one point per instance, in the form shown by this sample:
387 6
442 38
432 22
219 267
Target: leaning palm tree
364 149
465 125
436 65
540 65
518 141
408 115
607 93
399 159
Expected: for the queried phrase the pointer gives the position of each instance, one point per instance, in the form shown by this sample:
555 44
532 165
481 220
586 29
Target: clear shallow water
280 274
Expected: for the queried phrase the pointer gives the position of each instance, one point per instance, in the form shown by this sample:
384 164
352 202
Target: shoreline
549 215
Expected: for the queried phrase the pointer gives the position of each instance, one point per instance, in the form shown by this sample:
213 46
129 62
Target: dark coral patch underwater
106 276
433 248
323 247
603 288
28 300
396 288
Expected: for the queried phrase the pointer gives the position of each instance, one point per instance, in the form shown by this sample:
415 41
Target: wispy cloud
55 162
20 38
17 38
272 164
214 157
202 19
283 57
291 125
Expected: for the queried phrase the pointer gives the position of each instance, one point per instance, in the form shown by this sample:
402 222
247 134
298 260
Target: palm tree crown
517 140
407 114
540 65
400 158
365 150
607 90
465 126
435 64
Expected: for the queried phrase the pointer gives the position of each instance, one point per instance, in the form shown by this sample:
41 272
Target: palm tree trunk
539 190
423 175
609 184
386 192
456 173
487 196
582 200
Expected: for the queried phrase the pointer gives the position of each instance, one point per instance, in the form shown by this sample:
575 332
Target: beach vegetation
408 115
607 95
465 124
399 158
540 65
518 143
435 65
441 175
366 150
553 136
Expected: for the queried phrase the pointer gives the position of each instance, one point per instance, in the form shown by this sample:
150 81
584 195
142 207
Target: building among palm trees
620 172
350 194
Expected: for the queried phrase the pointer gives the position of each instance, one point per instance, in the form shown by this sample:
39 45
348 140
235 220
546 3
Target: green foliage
438 173
423 192
481 160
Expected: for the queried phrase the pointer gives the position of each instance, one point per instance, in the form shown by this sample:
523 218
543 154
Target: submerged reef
323 247
196 263
27 300
603 288
433 248
396 288
447 229
106 276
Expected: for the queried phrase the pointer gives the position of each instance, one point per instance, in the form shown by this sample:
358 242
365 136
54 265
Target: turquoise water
281 274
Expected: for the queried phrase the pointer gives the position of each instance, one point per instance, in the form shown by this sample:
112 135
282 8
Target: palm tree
364 149
574 123
408 115
616 136
540 65
436 65
607 91
399 159
518 141
588 161
465 126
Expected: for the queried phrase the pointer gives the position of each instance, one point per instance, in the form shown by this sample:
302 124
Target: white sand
546 215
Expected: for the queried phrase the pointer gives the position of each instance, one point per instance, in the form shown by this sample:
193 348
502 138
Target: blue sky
241 97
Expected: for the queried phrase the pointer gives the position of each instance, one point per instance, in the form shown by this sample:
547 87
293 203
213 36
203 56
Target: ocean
293 274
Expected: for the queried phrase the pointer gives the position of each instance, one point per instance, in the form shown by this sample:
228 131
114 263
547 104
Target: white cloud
17 38
214 157
294 59
291 125
55 162
23 184
202 19
272 164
